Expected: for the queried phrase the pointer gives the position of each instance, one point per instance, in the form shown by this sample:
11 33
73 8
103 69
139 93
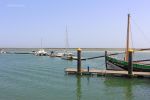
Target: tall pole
127 43
66 41
41 43
79 61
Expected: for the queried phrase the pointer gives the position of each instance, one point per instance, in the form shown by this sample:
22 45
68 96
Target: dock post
106 59
130 68
88 68
79 61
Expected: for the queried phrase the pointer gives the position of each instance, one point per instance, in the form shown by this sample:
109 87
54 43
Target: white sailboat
59 54
2 51
67 55
41 51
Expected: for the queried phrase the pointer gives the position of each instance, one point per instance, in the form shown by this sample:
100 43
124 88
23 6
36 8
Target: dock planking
99 72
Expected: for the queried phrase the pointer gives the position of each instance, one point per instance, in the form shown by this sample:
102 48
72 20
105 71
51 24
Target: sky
90 23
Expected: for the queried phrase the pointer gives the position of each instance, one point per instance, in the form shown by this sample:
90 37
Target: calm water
29 77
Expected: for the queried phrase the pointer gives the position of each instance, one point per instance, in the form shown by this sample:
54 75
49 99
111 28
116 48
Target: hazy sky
91 23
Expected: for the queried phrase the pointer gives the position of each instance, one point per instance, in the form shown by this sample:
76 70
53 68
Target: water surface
29 77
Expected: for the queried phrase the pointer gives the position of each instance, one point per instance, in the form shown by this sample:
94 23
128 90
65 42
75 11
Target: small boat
52 54
67 56
2 51
59 54
41 52
113 63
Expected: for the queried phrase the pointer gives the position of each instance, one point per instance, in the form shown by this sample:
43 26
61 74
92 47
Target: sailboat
67 55
41 51
2 51
117 64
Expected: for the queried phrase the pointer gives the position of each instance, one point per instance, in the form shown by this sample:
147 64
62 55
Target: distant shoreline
74 49
90 49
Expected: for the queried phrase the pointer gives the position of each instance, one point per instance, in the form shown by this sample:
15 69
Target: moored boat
67 55
113 63
59 54
2 51
41 52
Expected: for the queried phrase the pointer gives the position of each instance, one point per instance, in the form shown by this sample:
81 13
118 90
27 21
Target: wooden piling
106 59
79 61
130 68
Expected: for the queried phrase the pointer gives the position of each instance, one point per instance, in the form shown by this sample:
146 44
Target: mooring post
130 68
79 61
88 68
106 59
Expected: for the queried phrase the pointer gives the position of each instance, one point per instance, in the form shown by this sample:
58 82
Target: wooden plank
106 72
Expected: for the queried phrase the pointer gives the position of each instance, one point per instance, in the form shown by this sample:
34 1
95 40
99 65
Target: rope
142 49
100 56
142 60
141 31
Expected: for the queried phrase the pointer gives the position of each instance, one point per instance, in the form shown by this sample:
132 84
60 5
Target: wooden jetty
99 72
92 71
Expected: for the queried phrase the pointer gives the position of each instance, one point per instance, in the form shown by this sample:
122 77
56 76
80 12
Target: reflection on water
128 86
78 89
128 91
79 84
111 88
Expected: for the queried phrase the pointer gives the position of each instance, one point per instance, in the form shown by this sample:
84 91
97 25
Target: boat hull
114 64
41 54
67 57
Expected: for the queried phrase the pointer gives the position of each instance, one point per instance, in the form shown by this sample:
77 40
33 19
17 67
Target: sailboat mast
67 43
128 34
41 44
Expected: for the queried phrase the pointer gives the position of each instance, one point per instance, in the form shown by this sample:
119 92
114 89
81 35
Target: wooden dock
99 72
